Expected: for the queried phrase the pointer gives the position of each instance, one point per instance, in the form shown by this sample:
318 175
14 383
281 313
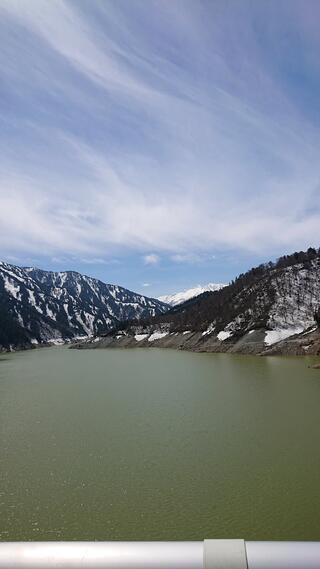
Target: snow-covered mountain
37 306
274 303
180 297
281 298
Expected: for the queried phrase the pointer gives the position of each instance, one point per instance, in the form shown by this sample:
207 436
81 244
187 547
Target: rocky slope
251 343
183 296
39 306
274 308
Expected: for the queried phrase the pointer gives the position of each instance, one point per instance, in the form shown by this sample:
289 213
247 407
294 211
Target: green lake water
158 444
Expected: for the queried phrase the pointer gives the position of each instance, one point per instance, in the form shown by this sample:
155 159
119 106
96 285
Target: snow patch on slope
10 286
209 330
157 336
224 335
140 337
274 336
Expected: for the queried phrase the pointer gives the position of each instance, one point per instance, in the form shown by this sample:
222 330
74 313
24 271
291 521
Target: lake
147 444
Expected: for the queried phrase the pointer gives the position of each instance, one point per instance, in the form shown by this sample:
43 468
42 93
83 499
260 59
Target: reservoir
145 444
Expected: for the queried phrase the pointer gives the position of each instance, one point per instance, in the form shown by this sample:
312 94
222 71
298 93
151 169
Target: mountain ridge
38 306
260 309
179 297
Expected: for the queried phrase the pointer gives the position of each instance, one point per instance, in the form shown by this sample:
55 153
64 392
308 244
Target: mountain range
259 312
39 306
272 308
183 296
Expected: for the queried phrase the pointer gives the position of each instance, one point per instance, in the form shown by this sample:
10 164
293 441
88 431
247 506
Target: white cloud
151 259
146 285
188 258
94 261
127 141
59 260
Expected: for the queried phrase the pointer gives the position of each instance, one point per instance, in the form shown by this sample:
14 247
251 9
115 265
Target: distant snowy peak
276 300
180 297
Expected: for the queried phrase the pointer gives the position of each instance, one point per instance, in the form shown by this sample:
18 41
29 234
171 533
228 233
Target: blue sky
158 144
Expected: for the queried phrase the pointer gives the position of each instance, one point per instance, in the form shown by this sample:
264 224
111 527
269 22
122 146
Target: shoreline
249 344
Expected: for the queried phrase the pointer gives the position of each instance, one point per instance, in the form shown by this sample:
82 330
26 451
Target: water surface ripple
158 444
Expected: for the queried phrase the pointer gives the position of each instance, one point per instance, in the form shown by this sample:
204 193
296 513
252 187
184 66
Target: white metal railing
209 554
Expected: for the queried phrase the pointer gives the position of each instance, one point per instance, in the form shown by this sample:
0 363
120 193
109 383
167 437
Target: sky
158 144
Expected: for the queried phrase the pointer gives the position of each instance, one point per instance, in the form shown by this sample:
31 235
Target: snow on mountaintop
180 297
276 299
37 306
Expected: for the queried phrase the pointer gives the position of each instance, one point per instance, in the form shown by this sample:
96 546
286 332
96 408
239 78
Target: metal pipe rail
209 554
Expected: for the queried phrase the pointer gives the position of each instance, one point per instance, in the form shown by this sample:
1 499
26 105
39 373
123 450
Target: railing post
224 554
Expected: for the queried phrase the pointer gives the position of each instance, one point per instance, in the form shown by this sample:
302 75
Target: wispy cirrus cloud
180 128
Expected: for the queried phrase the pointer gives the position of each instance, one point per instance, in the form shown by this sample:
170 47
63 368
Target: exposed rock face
38 306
